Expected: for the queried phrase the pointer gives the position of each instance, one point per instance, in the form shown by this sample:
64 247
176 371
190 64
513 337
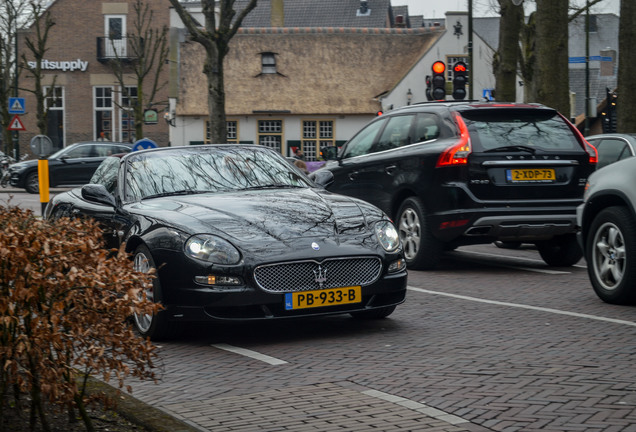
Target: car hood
265 215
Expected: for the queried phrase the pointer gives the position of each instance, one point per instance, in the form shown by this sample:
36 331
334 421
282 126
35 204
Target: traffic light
379 113
428 88
459 80
438 91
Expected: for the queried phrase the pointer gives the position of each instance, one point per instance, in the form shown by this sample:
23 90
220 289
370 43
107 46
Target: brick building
85 98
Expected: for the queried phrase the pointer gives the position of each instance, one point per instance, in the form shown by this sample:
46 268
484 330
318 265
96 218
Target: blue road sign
144 144
16 105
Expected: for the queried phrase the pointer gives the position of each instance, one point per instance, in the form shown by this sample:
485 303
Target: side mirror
97 193
322 177
329 153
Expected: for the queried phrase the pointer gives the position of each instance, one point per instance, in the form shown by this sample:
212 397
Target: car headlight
212 249
387 235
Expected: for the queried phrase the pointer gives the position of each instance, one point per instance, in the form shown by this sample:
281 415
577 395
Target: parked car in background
73 165
238 233
613 147
459 173
607 221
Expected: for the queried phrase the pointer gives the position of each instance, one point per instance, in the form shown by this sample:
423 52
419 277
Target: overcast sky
437 8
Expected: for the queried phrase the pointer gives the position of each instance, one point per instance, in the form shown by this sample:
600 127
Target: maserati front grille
311 275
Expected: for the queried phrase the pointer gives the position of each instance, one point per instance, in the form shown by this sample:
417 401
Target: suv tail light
589 148
457 154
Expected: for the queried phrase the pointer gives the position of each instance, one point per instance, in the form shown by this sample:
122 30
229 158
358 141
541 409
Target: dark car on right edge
459 173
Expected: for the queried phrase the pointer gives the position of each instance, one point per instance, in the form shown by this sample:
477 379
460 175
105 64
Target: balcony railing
114 49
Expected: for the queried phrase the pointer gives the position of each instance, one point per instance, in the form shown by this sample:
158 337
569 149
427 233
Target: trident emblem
321 276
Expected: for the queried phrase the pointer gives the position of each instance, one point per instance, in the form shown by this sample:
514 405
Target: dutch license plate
531 175
324 297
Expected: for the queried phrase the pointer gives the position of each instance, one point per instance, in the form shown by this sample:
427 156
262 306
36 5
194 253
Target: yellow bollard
43 179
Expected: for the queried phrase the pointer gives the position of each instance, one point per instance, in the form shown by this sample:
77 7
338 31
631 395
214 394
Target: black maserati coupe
238 233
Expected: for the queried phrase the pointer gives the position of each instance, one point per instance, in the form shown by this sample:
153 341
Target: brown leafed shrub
65 304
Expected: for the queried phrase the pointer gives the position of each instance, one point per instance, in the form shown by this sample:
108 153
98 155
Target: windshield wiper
512 148
174 193
272 186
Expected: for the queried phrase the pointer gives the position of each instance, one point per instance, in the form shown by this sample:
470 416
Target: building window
231 128
128 102
316 134
232 131
270 133
268 61
103 113
115 35
54 104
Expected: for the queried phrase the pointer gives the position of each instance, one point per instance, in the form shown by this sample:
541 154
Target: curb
138 412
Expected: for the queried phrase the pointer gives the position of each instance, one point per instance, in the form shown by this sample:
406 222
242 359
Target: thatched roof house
333 71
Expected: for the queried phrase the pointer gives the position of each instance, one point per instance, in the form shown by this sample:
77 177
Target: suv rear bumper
539 227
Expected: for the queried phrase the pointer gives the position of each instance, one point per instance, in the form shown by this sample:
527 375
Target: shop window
54 104
316 134
231 126
270 133
103 113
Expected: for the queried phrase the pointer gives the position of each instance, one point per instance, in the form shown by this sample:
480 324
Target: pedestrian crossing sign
16 124
16 105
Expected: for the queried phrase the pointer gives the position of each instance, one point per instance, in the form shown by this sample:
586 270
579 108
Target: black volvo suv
459 173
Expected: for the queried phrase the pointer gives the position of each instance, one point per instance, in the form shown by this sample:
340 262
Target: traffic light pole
470 50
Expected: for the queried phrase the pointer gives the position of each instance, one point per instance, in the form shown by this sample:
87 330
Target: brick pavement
439 364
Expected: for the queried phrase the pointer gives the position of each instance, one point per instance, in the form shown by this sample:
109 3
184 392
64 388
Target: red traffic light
379 113
459 67
439 67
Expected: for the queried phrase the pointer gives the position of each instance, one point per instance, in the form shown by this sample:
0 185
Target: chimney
364 8
277 13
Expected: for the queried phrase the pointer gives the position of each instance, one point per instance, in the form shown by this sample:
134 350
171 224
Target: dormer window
268 62
364 9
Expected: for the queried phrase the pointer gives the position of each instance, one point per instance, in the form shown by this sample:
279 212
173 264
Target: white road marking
532 269
419 407
251 354
522 306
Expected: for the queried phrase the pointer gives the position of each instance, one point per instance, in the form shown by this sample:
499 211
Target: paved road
19 197
487 343
493 341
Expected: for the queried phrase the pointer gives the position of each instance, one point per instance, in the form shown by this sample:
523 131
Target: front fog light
214 280
397 266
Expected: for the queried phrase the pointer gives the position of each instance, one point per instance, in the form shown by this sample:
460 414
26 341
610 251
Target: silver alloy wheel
608 256
142 265
410 231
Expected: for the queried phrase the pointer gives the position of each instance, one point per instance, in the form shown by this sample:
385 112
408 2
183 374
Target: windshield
204 169
524 129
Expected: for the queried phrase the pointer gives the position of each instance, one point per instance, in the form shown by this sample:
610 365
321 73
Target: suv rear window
538 129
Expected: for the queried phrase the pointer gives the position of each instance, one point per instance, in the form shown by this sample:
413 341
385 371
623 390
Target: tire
32 183
561 251
156 326
421 250
611 256
374 313
508 244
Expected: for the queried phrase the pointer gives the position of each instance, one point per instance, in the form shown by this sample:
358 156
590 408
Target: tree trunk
550 78
626 103
216 92
506 58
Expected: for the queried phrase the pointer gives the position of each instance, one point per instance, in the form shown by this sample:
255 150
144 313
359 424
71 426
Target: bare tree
148 54
215 38
37 46
626 42
550 83
10 13
506 59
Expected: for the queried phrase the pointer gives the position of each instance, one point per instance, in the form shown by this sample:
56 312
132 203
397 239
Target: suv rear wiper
512 148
